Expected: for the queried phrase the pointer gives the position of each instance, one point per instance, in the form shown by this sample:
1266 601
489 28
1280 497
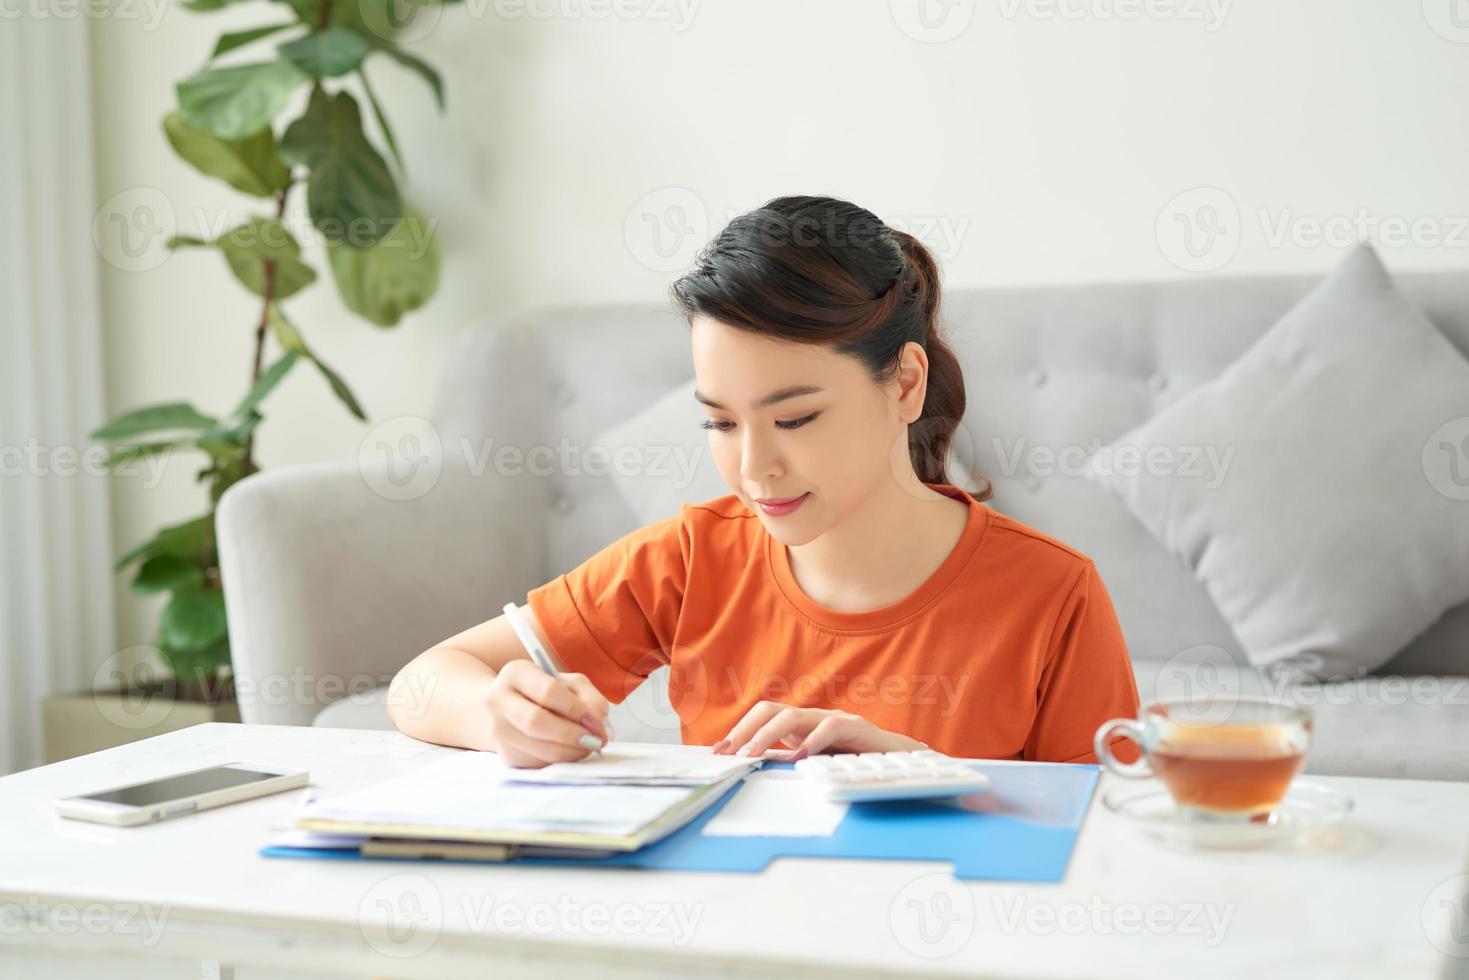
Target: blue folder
1023 828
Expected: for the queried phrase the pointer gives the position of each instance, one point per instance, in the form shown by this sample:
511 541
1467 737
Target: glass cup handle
1102 744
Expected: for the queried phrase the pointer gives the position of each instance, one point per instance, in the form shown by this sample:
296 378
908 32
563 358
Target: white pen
542 659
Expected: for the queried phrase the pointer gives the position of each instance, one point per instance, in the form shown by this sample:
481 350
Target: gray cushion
1328 533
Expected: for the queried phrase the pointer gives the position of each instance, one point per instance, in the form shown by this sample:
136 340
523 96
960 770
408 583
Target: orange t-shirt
1010 650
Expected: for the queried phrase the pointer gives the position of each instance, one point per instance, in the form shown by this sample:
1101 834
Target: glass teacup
1234 765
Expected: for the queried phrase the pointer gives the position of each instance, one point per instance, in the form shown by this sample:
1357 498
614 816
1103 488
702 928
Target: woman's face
790 420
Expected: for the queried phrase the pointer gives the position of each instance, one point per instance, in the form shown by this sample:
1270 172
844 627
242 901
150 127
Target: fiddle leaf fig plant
381 253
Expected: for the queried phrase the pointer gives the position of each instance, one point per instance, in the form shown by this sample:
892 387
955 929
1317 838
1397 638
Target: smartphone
173 796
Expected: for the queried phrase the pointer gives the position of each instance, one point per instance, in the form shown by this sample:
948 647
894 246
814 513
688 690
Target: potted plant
383 257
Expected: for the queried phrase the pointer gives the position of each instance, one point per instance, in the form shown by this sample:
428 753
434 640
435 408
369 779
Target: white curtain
56 601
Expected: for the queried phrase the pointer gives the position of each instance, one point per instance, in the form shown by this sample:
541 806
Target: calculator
852 777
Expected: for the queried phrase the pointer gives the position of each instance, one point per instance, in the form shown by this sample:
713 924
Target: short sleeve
1087 678
614 616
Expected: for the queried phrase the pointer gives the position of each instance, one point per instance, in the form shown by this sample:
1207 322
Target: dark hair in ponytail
818 270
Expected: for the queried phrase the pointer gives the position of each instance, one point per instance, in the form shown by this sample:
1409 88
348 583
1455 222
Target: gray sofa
337 574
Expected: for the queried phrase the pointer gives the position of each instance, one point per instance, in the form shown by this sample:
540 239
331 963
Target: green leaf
174 415
233 103
327 53
267 381
187 241
197 671
248 246
207 6
285 331
251 165
340 389
290 338
351 193
382 121
148 547
192 539
126 454
164 573
228 446
193 620
238 39
398 274
417 64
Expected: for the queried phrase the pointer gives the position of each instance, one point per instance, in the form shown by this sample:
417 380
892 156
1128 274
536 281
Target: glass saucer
1307 809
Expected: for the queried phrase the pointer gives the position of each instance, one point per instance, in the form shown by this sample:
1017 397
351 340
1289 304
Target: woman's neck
883 551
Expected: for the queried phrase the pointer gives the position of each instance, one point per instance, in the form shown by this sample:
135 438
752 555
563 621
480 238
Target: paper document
470 789
642 763
771 804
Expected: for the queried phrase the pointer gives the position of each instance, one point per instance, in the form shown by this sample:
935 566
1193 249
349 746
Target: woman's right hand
537 719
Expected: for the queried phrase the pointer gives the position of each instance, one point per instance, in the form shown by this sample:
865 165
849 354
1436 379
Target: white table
1370 906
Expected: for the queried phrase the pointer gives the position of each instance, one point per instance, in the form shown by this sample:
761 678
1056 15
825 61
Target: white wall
1045 141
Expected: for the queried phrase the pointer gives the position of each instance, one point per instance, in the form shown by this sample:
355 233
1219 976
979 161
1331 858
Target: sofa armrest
331 587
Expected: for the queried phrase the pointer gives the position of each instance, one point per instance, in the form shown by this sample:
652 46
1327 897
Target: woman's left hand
809 731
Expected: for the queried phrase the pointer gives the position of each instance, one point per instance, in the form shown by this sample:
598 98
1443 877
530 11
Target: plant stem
280 213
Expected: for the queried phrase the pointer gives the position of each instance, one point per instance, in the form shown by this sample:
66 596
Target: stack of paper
620 800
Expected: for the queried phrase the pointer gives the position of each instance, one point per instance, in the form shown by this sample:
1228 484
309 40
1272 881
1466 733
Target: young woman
844 597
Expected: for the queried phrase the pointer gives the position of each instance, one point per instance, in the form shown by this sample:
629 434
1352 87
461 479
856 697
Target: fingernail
591 724
720 745
590 742
745 749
